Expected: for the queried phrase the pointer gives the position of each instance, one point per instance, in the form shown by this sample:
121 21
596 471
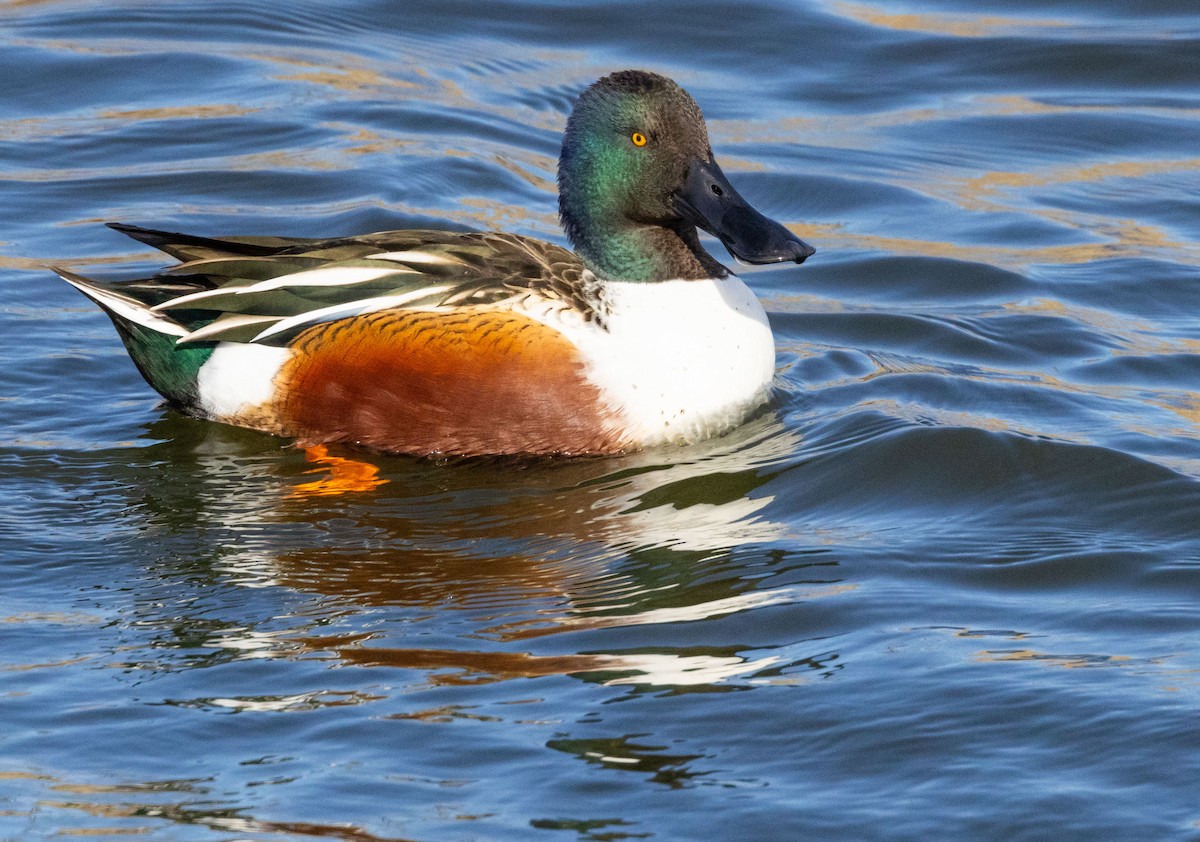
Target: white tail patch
123 305
239 379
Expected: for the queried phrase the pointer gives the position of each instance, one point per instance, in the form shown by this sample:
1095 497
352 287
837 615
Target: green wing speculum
269 289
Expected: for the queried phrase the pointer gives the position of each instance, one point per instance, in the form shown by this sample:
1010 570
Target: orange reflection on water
961 26
1129 239
1064 661
178 112
153 805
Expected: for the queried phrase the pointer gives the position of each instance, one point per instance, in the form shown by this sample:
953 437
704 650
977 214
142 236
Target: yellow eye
638 139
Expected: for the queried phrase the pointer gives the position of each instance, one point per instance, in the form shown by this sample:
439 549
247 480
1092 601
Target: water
946 586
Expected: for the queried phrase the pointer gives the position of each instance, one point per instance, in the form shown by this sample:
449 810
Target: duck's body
475 343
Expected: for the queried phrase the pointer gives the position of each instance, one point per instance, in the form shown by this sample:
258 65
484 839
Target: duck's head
637 176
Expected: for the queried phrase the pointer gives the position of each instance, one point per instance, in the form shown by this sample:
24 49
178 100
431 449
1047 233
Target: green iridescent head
637 176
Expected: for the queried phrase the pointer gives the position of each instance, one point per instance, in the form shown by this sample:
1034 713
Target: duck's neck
627 251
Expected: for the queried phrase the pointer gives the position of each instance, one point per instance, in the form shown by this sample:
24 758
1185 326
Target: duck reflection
500 550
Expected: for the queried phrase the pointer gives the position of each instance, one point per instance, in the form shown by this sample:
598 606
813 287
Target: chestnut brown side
466 382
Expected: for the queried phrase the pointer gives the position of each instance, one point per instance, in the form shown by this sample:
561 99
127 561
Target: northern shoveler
437 342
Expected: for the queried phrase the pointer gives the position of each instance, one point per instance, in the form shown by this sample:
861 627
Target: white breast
681 360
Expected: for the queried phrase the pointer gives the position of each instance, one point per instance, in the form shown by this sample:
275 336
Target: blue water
947 586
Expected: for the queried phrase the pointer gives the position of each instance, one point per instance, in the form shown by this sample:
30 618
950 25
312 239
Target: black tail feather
191 247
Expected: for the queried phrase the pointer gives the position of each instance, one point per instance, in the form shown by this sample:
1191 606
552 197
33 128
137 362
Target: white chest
681 360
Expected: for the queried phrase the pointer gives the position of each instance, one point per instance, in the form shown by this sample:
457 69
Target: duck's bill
708 200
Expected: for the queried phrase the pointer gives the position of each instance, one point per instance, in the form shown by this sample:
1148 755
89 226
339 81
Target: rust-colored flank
465 382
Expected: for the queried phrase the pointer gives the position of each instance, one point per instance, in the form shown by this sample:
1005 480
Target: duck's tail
122 307
150 338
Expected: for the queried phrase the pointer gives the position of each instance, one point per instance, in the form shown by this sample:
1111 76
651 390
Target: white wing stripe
189 299
329 277
333 276
350 308
225 323
416 257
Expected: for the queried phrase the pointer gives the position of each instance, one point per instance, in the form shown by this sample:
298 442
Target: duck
484 343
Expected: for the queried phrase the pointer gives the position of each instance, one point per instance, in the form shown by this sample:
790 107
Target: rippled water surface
946 587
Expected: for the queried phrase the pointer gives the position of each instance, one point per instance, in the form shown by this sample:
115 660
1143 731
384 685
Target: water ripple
950 567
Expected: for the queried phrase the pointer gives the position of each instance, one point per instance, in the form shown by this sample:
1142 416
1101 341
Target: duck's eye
638 139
